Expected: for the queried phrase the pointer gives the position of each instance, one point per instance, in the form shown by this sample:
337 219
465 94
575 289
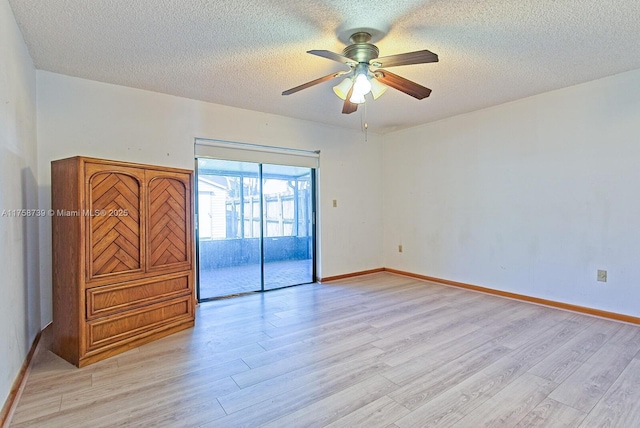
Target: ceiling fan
366 73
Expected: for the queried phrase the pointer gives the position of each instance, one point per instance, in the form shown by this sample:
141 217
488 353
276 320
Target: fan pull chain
365 124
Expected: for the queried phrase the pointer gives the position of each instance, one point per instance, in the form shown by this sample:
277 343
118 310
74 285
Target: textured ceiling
244 53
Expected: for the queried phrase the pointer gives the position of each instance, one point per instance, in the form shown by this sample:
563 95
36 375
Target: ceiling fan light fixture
362 84
357 98
361 87
342 89
377 88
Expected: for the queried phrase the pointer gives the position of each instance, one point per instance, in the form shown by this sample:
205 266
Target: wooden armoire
123 270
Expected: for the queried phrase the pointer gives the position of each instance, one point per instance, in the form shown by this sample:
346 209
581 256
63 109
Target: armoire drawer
119 328
111 299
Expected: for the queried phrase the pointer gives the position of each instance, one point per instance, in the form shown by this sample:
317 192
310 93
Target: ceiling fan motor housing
361 50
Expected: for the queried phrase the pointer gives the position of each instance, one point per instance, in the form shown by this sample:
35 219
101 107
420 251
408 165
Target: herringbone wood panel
115 239
167 231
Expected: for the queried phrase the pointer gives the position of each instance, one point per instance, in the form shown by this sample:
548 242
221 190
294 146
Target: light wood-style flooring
380 350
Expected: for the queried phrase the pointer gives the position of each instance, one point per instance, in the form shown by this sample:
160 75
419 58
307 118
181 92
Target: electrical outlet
602 275
400 248
335 203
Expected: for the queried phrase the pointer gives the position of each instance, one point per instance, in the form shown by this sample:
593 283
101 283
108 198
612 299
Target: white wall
529 197
19 293
82 117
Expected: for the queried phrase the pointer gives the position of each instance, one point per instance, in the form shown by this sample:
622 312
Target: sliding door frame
271 151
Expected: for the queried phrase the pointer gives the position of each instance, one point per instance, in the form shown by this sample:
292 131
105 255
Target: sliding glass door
229 249
255 227
287 225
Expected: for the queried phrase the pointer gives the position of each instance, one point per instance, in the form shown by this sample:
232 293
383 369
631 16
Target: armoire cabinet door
168 237
114 231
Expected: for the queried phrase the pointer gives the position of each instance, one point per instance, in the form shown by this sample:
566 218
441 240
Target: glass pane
288 240
228 228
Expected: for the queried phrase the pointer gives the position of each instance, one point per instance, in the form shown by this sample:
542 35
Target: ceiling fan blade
418 57
348 107
402 84
333 56
314 82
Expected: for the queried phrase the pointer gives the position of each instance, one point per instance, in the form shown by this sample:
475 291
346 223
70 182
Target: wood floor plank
335 406
404 349
457 346
628 336
183 349
511 404
342 371
586 386
407 372
519 328
451 406
620 405
407 311
198 411
511 312
428 316
375 351
134 406
410 371
423 388
321 340
291 401
51 373
131 381
188 409
320 355
36 407
552 414
379 413
560 364
42 390
547 342
315 333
